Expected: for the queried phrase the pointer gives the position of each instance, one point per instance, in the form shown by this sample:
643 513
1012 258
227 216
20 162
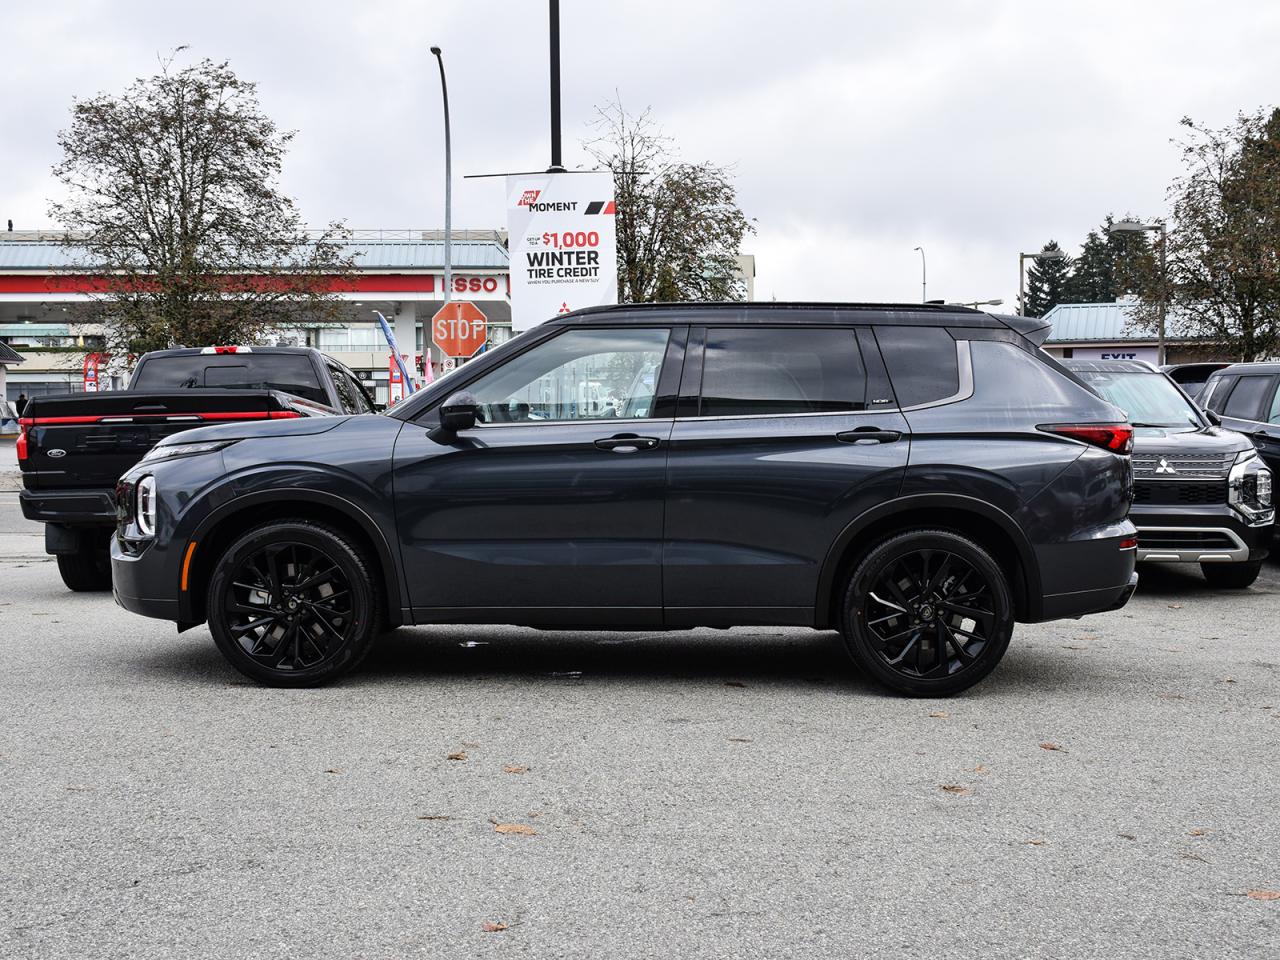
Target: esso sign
475 284
459 329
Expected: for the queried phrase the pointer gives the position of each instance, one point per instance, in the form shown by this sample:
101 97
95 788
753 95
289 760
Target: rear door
783 436
1248 403
1266 434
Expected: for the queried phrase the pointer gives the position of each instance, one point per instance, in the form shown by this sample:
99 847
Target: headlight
168 450
1249 490
145 510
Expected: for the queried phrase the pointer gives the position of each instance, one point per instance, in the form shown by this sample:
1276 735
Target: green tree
1110 266
1047 282
679 225
1223 280
172 197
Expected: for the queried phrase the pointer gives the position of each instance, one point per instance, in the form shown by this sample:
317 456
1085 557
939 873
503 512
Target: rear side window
749 371
922 363
1215 392
1246 398
348 391
238 371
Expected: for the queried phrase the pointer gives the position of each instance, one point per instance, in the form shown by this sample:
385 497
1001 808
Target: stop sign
459 329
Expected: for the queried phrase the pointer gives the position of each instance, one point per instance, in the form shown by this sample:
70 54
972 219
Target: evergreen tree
1110 266
1047 282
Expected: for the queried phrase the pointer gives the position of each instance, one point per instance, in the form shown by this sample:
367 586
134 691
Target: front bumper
137 580
1201 534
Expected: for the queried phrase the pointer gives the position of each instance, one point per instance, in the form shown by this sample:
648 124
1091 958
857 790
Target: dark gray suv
919 478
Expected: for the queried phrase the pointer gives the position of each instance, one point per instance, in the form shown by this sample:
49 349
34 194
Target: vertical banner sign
564 249
91 373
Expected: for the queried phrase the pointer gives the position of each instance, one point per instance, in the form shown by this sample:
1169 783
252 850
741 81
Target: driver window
579 375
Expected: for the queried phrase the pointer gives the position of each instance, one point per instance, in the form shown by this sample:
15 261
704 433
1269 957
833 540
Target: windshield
237 371
1149 399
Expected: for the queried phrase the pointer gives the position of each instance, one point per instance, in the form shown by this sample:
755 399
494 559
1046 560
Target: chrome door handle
627 443
869 435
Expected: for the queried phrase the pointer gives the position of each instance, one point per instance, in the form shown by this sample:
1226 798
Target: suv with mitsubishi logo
1201 493
920 478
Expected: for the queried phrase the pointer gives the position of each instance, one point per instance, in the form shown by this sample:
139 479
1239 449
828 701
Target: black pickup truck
72 448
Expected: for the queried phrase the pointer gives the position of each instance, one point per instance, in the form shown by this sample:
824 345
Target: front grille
1180 493
1184 540
1183 466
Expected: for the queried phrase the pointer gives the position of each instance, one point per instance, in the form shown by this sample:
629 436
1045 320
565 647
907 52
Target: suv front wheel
1231 576
292 604
927 613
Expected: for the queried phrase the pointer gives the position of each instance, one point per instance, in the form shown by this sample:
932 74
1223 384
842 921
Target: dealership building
398 272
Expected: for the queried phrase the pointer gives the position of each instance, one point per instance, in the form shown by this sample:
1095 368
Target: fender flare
904 505
350 510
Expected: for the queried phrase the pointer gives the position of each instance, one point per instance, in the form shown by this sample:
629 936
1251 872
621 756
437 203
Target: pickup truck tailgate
89 440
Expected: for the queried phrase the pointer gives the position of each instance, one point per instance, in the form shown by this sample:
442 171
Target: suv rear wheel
927 613
1231 576
292 604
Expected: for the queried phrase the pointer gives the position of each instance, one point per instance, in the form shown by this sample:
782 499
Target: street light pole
557 165
1022 273
448 187
1137 226
924 278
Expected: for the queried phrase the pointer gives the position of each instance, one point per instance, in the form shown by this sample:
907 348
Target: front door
794 434
550 510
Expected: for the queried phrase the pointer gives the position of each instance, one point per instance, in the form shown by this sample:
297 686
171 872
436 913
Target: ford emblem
57 453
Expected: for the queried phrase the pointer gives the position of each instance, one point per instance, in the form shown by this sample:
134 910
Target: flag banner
563 244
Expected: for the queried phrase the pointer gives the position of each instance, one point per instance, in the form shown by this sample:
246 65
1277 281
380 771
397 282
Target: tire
1231 576
317 626
88 570
929 649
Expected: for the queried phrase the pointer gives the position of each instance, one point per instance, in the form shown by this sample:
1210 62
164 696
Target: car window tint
578 375
239 371
347 391
773 371
922 363
1246 398
1274 415
1215 393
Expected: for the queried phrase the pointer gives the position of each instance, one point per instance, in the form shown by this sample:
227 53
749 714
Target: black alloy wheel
928 613
293 604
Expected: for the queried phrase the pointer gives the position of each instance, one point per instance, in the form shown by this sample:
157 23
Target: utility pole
448 192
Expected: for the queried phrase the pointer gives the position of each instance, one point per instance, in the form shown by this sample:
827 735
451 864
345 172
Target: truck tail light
21 445
1116 437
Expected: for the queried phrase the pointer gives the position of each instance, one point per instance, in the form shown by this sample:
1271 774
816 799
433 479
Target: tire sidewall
336 548
872 564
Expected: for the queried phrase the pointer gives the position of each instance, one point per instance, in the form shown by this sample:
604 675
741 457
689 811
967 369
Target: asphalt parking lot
1111 791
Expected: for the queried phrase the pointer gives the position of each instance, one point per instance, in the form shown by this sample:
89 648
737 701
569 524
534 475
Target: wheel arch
990 527
217 531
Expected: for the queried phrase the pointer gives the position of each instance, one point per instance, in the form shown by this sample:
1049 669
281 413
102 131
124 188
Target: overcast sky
856 130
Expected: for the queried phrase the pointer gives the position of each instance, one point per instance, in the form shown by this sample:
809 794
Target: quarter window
781 371
922 363
1246 398
578 375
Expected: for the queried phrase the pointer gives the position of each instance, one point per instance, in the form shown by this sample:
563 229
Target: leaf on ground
1053 746
490 927
981 768
1036 842
434 816
1126 836
739 739
1175 606
1262 894
955 788
940 715
734 683
460 755
512 768
520 829
1197 832
1227 680
334 770
1073 646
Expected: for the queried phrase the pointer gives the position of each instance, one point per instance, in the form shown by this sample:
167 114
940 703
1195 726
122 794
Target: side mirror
459 412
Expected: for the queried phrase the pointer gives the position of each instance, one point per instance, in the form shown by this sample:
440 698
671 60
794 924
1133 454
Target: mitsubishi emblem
1165 467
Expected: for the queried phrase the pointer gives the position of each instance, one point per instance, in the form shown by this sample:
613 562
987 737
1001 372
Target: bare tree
1223 278
172 199
679 225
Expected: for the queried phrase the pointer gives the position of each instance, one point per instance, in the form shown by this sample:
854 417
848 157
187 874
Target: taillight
1129 543
21 445
1116 437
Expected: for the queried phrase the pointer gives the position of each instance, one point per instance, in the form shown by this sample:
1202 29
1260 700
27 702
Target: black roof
9 355
1108 366
1265 366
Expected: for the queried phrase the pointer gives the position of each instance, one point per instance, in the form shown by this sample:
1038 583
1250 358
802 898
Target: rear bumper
1203 534
1092 574
95 508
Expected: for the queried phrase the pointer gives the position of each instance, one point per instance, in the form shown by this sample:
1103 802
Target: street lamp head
917 248
1132 226
436 51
